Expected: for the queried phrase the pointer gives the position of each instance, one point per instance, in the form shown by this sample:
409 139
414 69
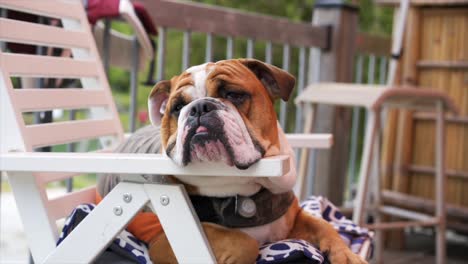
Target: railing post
336 65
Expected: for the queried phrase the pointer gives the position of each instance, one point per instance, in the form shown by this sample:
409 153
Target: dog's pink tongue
201 129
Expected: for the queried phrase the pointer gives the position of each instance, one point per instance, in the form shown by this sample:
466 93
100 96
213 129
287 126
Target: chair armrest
347 94
125 163
373 96
316 141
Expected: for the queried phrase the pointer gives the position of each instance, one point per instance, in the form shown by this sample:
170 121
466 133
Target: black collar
242 211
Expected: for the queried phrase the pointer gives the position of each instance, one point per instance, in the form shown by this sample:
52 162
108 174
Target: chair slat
69 131
48 99
44 66
51 8
62 206
37 34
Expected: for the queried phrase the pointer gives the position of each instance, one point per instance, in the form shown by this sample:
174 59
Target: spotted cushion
286 251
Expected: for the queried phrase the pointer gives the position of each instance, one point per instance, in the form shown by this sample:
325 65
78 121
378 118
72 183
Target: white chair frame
29 171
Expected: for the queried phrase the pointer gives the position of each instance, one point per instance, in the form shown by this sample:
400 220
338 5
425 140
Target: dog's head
220 112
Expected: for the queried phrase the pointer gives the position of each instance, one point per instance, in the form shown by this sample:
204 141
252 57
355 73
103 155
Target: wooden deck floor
420 250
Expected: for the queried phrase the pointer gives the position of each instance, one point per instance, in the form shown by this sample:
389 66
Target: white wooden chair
374 98
28 171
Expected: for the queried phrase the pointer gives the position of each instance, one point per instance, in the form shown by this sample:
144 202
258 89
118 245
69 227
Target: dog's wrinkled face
220 112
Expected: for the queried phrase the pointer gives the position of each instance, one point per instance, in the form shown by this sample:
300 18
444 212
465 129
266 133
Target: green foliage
375 19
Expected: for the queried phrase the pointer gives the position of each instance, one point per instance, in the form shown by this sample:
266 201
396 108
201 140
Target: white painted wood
304 166
364 174
101 226
133 164
187 239
39 227
344 94
398 40
365 249
70 131
316 141
48 99
95 83
10 132
229 48
52 8
36 34
45 66
313 74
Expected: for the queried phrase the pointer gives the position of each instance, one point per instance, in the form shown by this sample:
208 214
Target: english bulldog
224 112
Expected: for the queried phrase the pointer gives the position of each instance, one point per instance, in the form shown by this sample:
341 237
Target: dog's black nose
201 108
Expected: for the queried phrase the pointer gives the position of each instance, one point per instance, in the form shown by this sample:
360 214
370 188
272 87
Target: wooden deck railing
324 50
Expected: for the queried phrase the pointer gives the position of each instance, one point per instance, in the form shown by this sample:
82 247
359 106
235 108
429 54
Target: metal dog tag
247 207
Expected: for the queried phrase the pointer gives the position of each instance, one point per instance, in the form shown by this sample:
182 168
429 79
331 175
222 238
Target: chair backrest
92 94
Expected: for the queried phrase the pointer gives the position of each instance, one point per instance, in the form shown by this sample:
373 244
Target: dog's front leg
318 231
229 246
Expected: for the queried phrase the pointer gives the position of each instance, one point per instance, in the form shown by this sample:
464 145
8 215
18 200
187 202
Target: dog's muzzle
212 130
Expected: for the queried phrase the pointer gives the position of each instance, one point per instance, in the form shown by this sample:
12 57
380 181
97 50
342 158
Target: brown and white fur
223 112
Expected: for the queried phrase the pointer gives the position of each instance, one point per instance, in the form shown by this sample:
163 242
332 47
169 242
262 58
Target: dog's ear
278 82
157 101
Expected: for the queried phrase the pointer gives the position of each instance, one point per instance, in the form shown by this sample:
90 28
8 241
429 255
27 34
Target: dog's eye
177 107
236 97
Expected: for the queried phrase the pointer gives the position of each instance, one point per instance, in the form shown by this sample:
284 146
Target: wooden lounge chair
29 172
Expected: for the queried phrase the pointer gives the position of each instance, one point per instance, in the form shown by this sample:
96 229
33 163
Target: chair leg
172 205
101 225
300 189
371 127
39 227
440 184
376 174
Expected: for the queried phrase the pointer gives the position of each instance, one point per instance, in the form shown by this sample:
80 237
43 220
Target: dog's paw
339 253
344 256
231 246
